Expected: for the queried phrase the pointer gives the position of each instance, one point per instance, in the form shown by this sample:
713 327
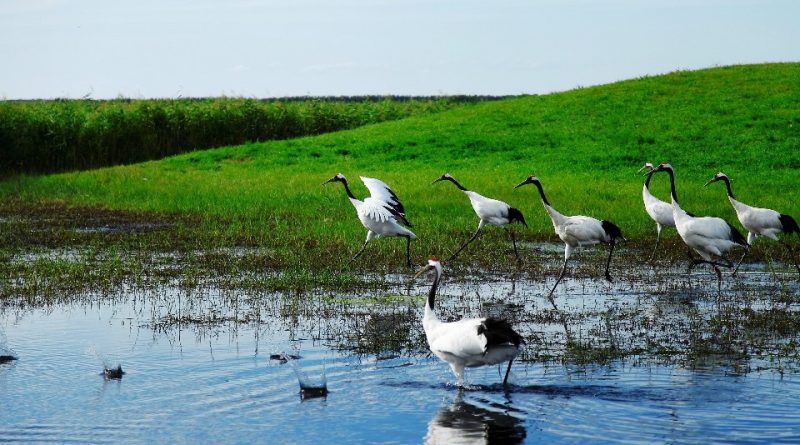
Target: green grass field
585 145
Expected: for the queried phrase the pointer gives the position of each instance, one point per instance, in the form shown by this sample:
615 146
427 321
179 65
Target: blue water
213 381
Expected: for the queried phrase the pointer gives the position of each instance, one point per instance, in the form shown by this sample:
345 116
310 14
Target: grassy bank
585 145
62 135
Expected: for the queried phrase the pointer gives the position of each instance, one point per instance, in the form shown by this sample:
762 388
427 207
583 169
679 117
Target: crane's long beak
329 180
714 179
648 171
422 270
437 180
527 181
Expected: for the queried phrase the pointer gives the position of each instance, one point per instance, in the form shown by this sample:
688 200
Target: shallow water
198 368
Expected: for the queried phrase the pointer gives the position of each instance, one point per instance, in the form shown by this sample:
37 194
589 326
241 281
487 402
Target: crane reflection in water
473 422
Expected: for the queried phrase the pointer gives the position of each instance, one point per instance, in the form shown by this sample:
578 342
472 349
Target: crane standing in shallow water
659 211
709 236
759 221
381 213
577 231
490 211
471 342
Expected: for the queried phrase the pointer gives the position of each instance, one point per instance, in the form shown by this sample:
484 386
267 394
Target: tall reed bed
61 135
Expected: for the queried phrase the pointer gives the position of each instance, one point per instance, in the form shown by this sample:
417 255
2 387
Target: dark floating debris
312 392
6 359
284 357
113 373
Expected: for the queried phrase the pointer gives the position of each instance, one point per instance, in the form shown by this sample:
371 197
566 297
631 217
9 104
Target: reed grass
62 135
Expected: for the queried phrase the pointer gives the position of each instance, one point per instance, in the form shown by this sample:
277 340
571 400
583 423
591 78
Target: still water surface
190 382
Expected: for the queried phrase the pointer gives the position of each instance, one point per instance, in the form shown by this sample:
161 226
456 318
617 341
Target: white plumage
490 211
709 236
659 211
759 221
381 213
577 231
467 343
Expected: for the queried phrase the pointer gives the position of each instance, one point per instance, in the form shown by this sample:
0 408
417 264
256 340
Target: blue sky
152 48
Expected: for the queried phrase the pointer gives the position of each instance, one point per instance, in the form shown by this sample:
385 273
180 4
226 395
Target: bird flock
474 342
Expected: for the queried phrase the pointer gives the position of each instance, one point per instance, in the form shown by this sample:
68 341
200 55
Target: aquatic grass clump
48 279
389 331
306 280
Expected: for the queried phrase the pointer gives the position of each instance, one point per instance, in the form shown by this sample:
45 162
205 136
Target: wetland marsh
652 357
196 273
643 360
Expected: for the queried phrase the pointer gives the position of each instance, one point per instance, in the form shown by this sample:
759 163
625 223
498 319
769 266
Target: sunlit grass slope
585 145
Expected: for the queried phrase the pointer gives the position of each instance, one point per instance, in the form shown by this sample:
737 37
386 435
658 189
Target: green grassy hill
585 145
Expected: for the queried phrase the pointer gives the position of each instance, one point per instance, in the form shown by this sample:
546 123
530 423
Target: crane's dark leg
505 379
408 250
653 255
560 276
715 265
608 262
360 251
740 262
472 238
689 271
370 236
513 242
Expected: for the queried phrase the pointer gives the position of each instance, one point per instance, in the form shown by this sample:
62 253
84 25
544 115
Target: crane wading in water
709 236
470 342
759 221
381 213
577 231
660 211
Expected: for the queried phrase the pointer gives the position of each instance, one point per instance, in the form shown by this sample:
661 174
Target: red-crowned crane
659 211
490 212
470 342
381 213
577 231
709 236
759 221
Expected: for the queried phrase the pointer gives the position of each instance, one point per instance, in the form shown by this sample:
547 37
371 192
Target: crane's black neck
647 179
728 185
347 189
541 192
453 180
672 185
432 293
